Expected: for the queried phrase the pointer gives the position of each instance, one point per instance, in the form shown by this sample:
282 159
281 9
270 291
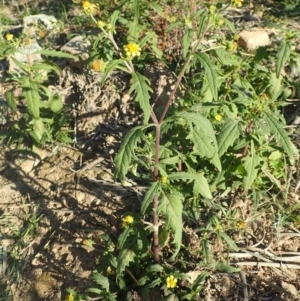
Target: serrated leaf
229 241
283 54
205 146
125 257
199 280
155 268
203 123
11 100
224 267
230 132
200 183
101 280
250 164
126 152
170 206
202 24
281 135
148 198
141 85
210 72
123 237
186 41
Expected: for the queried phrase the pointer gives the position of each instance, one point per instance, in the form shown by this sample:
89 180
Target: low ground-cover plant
224 132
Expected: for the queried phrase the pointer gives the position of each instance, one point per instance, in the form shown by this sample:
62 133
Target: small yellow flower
100 24
171 282
98 65
132 50
164 179
69 297
241 224
9 37
127 220
172 19
237 3
218 117
88 7
188 23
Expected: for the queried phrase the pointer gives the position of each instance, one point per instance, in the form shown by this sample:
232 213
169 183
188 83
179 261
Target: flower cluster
127 220
218 117
171 282
132 50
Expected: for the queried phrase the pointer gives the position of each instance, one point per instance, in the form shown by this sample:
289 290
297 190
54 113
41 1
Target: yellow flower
127 220
237 3
98 65
188 23
69 297
164 179
132 50
100 24
9 37
171 282
88 7
218 117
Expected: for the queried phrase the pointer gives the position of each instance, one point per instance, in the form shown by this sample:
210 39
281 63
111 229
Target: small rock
290 288
79 47
250 40
24 54
47 21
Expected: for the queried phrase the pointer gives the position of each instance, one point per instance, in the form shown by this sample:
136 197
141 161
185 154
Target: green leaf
32 97
126 152
230 132
110 67
38 129
205 146
202 24
200 279
11 100
205 251
250 165
46 66
224 267
200 183
170 206
125 257
282 56
123 237
155 268
229 241
55 103
186 41
54 53
275 86
141 85
281 135
210 72
101 280
148 198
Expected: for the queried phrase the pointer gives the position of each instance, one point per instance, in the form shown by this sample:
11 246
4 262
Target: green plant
223 133
39 112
